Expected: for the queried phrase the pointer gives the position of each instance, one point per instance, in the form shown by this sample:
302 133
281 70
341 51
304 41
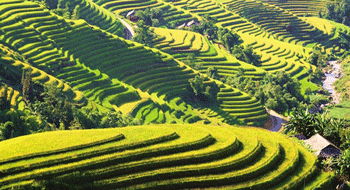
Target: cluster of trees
344 39
206 27
336 131
65 8
246 54
228 38
54 110
201 92
231 41
144 34
338 12
151 17
342 85
278 91
318 59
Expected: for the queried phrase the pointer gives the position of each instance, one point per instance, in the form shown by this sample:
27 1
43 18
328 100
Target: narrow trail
278 121
130 32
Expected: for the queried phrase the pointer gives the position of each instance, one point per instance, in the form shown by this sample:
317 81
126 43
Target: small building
322 146
192 23
130 14
189 24
182 26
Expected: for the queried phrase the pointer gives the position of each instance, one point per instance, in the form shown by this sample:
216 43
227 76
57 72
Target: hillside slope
104 68
160 157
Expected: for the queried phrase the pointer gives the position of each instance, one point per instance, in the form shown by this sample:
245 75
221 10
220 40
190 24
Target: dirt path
331 77
130 32
278 120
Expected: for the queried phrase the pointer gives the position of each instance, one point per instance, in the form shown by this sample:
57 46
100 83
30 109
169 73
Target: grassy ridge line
307 172
323 181
172 14
62 150
265 160
301 7
36 143
236 159
277 173
20 185
62 159
274 162
220 149
106 160
305 31
100 17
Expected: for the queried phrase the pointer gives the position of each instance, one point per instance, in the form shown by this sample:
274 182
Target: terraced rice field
171 14
301 7
180 43
110 75
96 15
170 157
267 25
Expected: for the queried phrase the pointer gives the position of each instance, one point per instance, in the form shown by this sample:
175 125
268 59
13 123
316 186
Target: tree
202 92
308 91
76 13
316 76
246 54
271 104
344 39
197 84
151 17
228 38
143 34
55 107
4 103
213 72
61 4
344 163
27 87
207 27
51 4
14 123
301 122
318 58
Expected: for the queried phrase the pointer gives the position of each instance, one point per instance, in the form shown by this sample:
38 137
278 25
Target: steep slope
162 157
264 30
180 43
104 67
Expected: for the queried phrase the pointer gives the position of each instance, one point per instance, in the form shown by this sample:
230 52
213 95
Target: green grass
47 141
163 156
340 111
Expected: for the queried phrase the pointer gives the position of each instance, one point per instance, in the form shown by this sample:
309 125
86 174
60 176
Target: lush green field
111 76
340 111
161 157
187 141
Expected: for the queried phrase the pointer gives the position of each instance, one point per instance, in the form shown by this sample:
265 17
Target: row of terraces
301 7
181 43
170 14
162 157
101 65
